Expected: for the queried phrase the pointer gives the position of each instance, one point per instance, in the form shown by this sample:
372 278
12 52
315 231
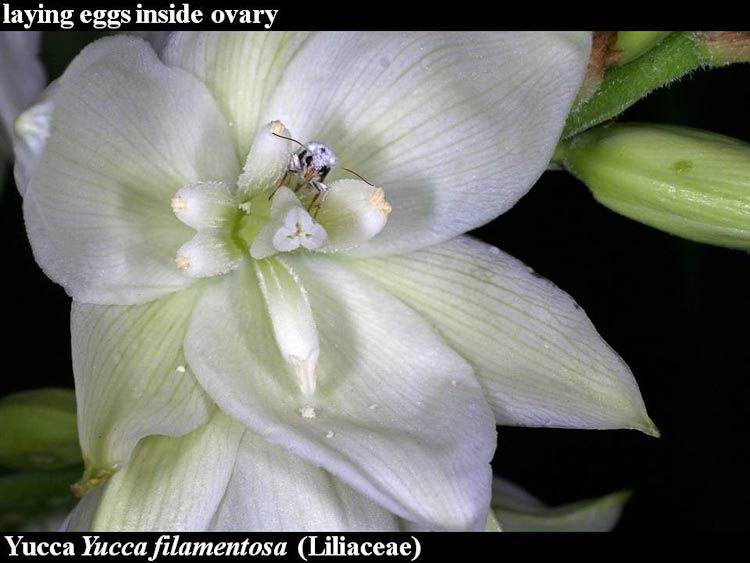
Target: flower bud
687 182
39 430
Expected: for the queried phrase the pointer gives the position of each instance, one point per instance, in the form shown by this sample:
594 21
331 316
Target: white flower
359 358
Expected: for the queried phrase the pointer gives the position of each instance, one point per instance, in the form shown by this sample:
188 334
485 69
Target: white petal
127 133
292 320
209 253
23 75
397 414
242 71
536 353
132 379
517 511
170 484
271 490
353 213
455 127
204 205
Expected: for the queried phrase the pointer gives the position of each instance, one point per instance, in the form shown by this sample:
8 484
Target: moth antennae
358 176
290 139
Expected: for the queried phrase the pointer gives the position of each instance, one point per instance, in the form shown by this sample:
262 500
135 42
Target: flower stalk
677 55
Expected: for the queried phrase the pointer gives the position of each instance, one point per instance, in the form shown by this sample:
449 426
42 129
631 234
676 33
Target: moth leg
321 193
285 181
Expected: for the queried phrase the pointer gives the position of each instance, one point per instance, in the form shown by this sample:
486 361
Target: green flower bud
633 44
39 429
691 183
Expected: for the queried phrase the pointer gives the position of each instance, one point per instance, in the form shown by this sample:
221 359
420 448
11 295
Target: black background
677 312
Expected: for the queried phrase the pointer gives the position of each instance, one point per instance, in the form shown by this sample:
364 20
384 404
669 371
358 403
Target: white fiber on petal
353 213
204 205
292 320
209 253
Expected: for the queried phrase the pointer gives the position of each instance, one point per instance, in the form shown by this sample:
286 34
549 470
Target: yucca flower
250 362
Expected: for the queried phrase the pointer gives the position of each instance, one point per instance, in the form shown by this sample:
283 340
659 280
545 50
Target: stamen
204 205
209 253
354 213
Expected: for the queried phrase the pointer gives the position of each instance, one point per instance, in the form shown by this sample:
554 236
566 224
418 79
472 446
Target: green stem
675 56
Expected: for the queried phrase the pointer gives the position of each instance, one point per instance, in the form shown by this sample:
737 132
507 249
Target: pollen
178 204
277 127
307 412
377 201
183 262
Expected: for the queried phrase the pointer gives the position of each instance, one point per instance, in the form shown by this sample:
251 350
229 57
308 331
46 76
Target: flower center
261 216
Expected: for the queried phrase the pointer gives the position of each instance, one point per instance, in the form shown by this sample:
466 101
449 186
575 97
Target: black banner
314 546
